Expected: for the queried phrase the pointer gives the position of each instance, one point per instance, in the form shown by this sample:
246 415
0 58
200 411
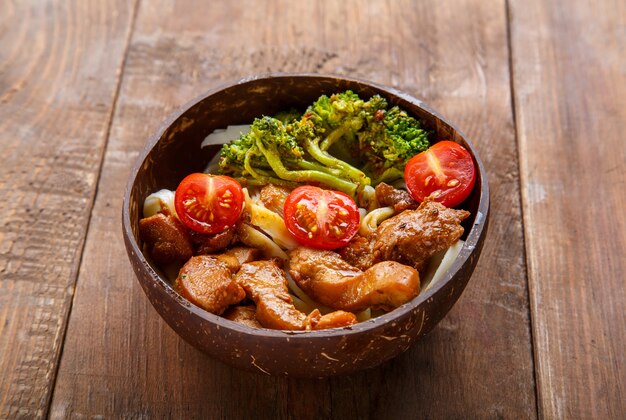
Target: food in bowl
314 220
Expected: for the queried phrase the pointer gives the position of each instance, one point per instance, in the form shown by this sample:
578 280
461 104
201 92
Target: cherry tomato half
321 219
445 172
208 203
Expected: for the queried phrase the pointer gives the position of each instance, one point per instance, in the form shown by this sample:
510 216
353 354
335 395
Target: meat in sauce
245 315
378 271
166 239
273 197
359 252
266 284
207 281
244 254
400 200
205 244
330 280
414 236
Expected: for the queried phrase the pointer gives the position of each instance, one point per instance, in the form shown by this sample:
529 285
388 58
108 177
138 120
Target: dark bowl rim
471 242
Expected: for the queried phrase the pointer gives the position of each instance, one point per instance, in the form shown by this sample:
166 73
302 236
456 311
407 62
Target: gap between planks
509 19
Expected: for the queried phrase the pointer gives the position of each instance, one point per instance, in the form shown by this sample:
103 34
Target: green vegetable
269 154
330 119
390 140
342 116
288 149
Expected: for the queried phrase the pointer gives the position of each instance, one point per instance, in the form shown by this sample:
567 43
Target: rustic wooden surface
60 64
570 101
83 84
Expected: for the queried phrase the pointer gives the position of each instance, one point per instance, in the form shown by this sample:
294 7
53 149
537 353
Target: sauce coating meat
359 252
245 315
411 237
207 281
330 280
205 244
243 254
166 239
378 271
400 200
273 197
414 236
265 283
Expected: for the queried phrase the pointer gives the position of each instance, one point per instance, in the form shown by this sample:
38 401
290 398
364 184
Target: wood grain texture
59 71
569 62
121 359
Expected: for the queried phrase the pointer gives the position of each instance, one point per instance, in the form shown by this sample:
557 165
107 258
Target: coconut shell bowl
174 151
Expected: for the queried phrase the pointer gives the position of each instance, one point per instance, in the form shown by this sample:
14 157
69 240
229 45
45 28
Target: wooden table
538 85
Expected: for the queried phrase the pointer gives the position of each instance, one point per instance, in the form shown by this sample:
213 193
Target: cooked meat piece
244 254
166 239
273 197
330 280
266 284
205 244
234 257
400 200
414 236
231 262
244 315
359 252
336 319
207 281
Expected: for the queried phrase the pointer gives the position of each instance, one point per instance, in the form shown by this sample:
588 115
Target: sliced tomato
320 218
445 173
208 203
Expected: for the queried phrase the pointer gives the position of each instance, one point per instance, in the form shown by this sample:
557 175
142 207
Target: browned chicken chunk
273 197
205 244
330 280
359 252
207 281
266 284
334 319
244 315
411 237
400 200
237 256
414 236
244 254
166 239
231 261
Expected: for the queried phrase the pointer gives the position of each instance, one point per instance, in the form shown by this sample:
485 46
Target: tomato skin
321 219
445 173
208 203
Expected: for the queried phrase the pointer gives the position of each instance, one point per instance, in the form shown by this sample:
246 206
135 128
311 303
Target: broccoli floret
290 148
391 138
328 113
305 132
241 159
269 153
330 119
341 116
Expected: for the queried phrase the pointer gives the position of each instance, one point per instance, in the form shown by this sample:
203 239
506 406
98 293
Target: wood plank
569 64
59 72
120 359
